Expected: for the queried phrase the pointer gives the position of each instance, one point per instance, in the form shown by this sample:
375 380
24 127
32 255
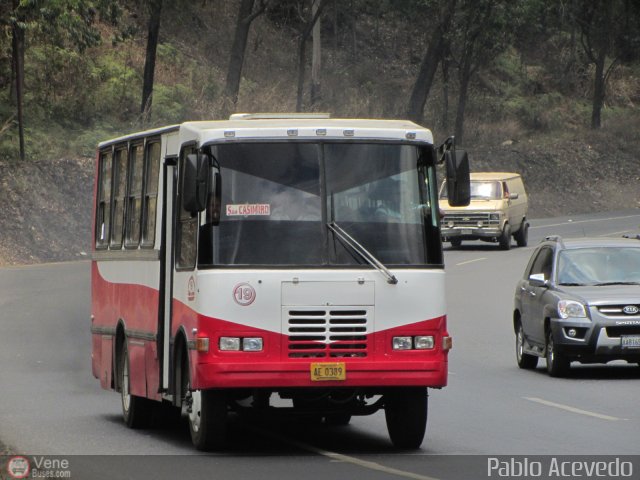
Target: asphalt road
51 405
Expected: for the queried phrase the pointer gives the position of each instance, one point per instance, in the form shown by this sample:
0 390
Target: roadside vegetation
548 89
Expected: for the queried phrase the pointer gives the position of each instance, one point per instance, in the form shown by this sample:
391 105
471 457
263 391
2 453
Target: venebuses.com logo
18 467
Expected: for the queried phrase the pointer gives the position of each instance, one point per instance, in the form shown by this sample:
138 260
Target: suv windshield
599 266
278 197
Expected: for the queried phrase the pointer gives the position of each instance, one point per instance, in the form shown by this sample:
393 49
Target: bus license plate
631 341
328 371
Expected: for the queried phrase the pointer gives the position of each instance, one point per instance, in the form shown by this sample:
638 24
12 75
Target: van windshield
480 190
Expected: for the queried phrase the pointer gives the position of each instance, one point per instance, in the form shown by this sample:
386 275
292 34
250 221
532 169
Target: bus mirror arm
195 187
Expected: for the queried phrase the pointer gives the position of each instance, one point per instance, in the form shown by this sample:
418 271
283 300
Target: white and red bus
266 256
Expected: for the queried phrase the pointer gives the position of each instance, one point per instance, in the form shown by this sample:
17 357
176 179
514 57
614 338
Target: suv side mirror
538 280
458 181
195 183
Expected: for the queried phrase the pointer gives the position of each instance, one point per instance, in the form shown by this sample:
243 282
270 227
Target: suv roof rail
554 238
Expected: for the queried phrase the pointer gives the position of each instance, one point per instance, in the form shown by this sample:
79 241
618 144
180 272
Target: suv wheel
456 242
557 364
505 238
525 361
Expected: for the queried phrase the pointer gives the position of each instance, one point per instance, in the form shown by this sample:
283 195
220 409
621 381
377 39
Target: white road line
471 261
614 233
584 221
339 457
572 409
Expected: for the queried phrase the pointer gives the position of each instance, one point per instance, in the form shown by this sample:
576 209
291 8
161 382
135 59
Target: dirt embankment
46 210
47 205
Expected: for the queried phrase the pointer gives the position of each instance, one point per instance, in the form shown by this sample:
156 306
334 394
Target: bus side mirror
195 186
458 182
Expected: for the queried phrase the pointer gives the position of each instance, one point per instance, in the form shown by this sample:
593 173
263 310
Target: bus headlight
252 344
228 344
402 343
424 342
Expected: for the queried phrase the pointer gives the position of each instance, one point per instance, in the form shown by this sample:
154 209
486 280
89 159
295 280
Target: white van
497 211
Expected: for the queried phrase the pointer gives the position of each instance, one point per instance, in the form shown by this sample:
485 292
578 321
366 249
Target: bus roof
288 126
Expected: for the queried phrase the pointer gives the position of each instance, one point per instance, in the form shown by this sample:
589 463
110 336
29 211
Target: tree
155 11
483 30
18 68
430 61
63 22
247 13
608 33
305 31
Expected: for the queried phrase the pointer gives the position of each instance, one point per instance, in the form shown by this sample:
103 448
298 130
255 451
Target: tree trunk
236 58
316 53
429 65
445 91
18 60
465 77
598 91
302 54
155 10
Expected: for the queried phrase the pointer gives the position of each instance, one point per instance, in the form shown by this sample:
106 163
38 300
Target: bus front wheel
406 415
136 411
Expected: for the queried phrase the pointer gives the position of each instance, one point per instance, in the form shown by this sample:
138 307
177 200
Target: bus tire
136 411
337 419
207 415
405 412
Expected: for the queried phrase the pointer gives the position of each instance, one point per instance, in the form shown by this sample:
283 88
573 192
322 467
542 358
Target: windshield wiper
363 252
604 284
572 284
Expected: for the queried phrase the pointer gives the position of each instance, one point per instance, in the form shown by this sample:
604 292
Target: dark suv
579 299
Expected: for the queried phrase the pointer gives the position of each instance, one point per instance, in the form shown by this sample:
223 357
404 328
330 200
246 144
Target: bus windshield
277 199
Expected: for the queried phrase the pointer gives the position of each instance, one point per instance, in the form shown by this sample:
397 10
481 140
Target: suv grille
321 333
618 311
616 332
469 219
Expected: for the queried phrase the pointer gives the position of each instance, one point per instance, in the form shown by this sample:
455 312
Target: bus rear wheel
406 415
136 411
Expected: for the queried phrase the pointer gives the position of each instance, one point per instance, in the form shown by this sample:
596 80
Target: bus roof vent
276 116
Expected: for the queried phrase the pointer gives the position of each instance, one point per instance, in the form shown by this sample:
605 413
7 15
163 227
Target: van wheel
136 411
522 236
505 238
456 242
405 411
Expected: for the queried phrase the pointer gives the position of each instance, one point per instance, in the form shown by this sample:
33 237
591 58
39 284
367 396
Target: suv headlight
494 216
571 309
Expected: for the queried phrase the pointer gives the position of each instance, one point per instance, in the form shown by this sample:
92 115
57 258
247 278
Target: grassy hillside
528 111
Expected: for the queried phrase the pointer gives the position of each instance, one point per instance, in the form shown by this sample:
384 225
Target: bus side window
134 198
187 225
119 190
103 214
152 174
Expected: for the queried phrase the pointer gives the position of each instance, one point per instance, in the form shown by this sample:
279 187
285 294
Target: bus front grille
327 333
